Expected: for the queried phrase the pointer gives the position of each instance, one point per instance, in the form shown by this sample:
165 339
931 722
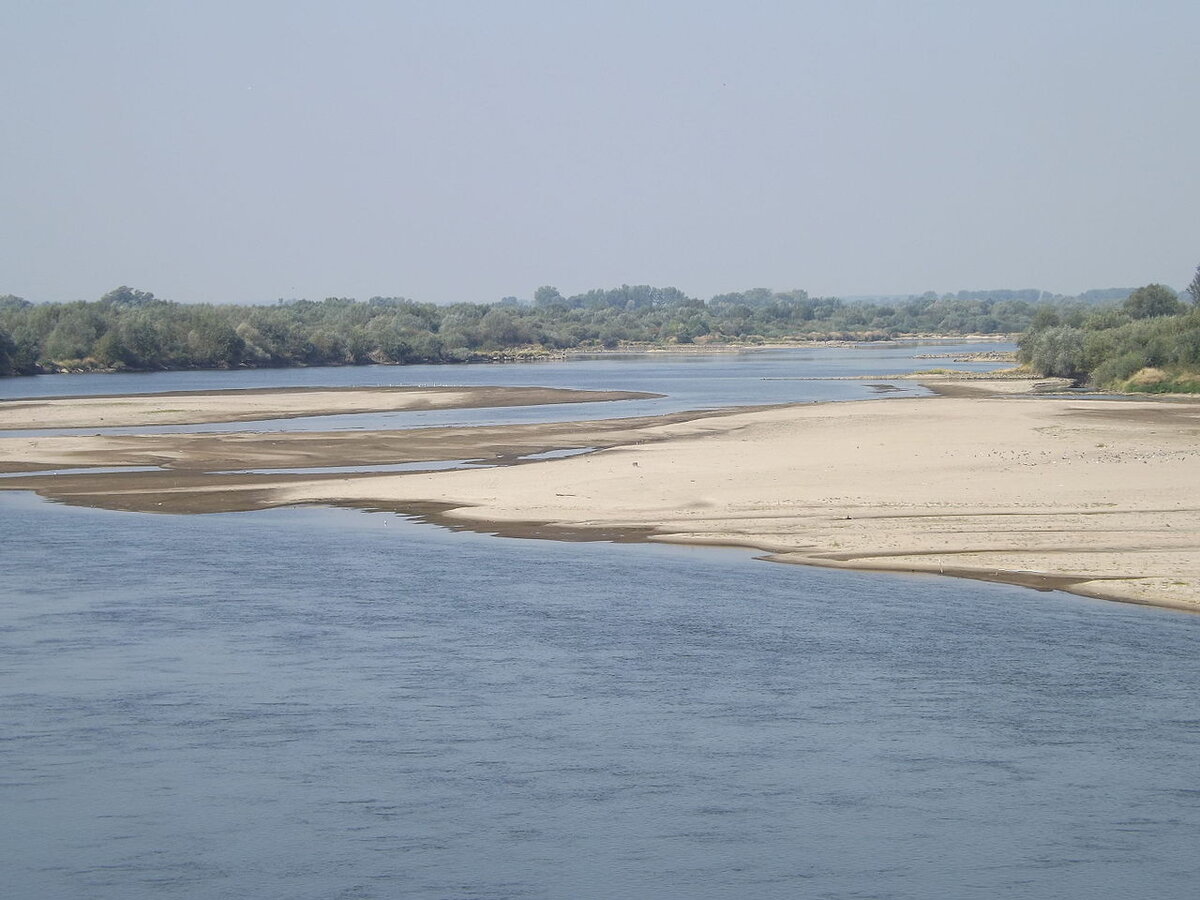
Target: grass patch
1157 381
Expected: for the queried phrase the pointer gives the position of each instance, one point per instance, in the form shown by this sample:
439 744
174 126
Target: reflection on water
319 703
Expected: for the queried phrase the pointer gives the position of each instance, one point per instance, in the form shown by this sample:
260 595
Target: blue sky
469 151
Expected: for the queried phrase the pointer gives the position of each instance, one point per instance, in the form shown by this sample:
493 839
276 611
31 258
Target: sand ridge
252 404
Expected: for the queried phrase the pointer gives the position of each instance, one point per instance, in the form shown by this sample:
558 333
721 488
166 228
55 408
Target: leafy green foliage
1056 351
1152 301
8 353
133 329
1150 344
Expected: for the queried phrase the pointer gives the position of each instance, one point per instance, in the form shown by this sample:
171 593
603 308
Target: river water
687 381
312 703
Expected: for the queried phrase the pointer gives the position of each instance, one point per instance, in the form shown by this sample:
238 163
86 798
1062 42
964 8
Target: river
312 703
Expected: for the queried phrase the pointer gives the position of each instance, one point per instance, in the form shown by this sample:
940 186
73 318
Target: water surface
315 703
688 381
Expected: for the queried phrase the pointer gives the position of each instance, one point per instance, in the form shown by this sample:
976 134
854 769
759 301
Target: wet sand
199 453
249 405
1099 497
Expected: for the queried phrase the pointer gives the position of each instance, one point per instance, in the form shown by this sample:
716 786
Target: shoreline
1092 496
437 514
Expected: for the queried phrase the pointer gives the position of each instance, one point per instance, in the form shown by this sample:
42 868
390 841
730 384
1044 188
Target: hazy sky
244 151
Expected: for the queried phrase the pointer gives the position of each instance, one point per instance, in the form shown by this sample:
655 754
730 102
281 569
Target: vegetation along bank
129 329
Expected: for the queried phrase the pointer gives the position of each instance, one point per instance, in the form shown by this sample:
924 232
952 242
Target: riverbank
1095 496
847 341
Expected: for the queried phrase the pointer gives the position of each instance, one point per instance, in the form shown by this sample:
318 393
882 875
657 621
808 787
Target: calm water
606 372
317 703
697 381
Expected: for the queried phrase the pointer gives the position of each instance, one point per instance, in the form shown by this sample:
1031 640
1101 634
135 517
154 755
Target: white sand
1101 497
1090 489
191 407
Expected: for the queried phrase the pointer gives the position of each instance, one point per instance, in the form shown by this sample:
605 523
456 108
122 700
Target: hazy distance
468 151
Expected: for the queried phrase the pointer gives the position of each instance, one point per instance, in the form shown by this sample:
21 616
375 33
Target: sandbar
1095 496
253 404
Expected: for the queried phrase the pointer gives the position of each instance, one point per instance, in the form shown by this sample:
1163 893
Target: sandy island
1098 497
252 404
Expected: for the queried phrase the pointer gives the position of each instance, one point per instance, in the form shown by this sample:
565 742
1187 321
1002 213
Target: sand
1099 497
208 452
196 407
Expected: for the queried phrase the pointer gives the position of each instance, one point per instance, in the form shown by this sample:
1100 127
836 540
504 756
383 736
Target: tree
1152 301
8 353
214 343
498 329
9 301
1057 351
127 296
73 335
547 296
110 350
1194 288
1045 317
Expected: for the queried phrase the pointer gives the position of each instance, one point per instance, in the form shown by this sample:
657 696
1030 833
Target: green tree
213 343
1045 317
1152 301
8 354
1056 351
499 329
127 296
73 336
548 296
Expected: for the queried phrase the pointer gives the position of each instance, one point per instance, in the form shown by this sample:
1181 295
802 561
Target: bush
1156 381
1112 372
1056 351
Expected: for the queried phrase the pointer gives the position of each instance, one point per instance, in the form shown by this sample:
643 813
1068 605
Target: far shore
1095 496
537 354
863 341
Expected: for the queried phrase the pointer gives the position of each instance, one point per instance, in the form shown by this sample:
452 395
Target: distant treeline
1150 343
129 329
